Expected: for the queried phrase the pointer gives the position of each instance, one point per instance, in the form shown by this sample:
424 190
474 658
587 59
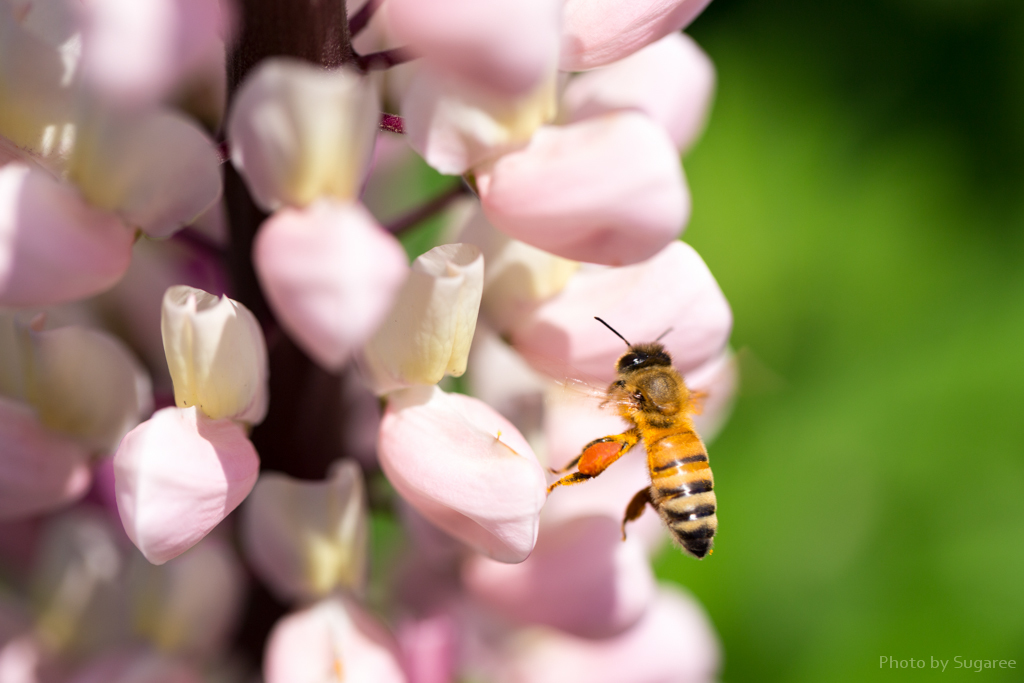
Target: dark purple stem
392 123
427 210
385 59
362 16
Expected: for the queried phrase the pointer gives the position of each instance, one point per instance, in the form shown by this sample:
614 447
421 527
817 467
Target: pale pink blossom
598 32
54 247
25 659
331 273
672 81
429 330
66 395
674 289
509 46
138 51
334 639
605 190
429 648
177 475
189 606
39 469
581 578
465 468
306 539
674 641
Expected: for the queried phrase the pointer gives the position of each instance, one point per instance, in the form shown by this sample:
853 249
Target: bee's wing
695 404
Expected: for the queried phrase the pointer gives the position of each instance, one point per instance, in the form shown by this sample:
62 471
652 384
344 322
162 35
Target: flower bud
216 355
299 132
306 538
430 328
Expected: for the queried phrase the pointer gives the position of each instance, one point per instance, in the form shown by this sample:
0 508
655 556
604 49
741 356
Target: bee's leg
598 455
574 478
636 507
572 463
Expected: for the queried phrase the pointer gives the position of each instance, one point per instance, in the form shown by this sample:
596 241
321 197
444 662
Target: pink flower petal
674 641
504 45
465 468
606 190
598 32
54 247
331 274
333 640
581 578
137 51
672 81
674 289
177 475
40 470
430 649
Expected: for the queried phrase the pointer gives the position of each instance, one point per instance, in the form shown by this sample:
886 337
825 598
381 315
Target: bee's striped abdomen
682 489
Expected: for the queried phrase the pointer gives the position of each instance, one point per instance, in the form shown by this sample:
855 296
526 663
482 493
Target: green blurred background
859 194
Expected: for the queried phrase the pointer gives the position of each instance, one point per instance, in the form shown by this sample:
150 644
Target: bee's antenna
613 330
662 335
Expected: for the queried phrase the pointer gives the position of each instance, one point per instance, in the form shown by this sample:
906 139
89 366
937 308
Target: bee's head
643 356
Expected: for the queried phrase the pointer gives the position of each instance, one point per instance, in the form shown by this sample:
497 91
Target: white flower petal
307 539
157 170
299 132
216 355
430 328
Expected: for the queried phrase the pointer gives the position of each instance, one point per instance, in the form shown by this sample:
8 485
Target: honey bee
652 396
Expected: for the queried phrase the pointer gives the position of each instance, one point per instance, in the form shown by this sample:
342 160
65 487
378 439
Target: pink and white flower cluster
565 120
